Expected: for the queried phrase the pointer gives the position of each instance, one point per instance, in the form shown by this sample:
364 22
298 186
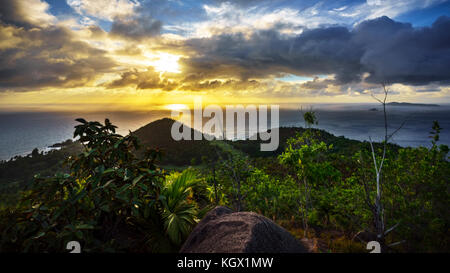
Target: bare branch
397 243
398 129
373 96
391 228
373 155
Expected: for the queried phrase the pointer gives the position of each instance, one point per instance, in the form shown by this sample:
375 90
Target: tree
271 197
377 205
305 156
310 118
234 168
434 134
35 152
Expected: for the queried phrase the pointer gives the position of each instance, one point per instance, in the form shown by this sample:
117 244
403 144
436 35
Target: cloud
372 9
429 89
398 53
135 28
358 59
232 47
149 79
234 18
383 49
248 16
26 13
243 3
44 57
267 53
104 9
222 85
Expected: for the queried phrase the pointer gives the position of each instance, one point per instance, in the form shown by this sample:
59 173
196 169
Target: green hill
19 172
157 134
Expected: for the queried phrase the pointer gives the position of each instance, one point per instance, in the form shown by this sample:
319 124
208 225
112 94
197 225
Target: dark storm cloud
136 28
403 54
25 13
10 13
50 57
387 50
318 51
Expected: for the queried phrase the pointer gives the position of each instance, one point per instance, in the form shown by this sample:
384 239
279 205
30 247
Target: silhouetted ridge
157 134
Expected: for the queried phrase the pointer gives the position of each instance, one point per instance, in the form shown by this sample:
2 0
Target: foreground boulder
225 231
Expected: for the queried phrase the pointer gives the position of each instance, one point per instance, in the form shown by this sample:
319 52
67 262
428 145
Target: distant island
411 104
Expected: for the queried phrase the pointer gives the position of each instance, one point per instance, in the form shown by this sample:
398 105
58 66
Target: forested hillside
114 194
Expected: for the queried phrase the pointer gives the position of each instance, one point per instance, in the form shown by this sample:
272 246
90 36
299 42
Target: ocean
21 132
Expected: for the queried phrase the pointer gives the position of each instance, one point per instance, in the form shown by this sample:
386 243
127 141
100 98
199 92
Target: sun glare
165 62
175 106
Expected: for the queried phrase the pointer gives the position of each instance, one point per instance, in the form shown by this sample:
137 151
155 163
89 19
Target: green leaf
107 183
137 179
110 170
39 235
123 188
81 120
85 226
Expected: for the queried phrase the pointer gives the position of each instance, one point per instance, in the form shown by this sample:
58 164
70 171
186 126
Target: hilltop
157 134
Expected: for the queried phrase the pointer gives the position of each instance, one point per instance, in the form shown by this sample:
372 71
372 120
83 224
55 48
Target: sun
175 107
165 62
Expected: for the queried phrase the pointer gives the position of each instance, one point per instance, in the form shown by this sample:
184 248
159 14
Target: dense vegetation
111 201
113 195
19 172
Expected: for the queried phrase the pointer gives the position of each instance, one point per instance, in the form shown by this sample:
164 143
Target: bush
110 201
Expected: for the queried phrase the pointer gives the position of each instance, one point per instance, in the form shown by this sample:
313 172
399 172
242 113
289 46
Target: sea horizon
22 131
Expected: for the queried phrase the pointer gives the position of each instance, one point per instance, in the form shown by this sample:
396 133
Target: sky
135 55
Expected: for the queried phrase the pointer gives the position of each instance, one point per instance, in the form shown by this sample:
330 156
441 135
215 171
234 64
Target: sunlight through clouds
226 50
164 62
